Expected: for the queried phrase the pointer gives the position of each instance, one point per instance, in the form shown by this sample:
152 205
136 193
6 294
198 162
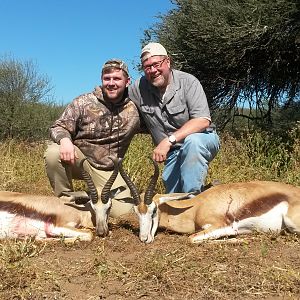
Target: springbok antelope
220 211
49 217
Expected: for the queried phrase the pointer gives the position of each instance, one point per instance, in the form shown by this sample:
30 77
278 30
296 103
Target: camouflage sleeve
65 125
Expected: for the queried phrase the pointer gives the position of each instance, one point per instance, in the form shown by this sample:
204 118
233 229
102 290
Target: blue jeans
186 167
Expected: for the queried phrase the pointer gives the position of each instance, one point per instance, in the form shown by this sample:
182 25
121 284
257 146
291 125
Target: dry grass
22 167
121 267
254 157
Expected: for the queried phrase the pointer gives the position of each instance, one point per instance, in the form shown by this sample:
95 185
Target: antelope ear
114 192
79 197
162 198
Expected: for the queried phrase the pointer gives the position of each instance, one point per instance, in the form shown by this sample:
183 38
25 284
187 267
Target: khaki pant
61 174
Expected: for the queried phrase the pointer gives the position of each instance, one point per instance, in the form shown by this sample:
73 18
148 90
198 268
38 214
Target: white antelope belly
17 226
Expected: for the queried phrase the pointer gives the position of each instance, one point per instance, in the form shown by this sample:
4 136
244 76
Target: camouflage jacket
98 127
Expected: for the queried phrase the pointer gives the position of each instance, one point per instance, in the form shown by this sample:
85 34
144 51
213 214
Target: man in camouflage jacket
95 125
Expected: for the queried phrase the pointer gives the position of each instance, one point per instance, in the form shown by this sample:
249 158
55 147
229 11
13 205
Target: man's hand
67 151
161 151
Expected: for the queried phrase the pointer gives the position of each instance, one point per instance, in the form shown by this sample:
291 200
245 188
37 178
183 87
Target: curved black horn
106 189
151 187
134 191
89 181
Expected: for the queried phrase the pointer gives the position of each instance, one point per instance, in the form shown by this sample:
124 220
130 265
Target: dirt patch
121 267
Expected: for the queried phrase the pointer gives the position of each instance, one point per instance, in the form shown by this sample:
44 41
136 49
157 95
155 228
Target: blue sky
69 40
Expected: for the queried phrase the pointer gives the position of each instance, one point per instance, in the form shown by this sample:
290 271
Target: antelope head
144 206
102 207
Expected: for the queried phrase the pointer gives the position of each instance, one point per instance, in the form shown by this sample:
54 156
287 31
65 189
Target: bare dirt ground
121 267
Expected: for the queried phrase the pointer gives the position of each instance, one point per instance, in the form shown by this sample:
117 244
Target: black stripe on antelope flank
22 210
256 207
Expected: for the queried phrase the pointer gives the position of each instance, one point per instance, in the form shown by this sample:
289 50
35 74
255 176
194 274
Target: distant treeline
26 106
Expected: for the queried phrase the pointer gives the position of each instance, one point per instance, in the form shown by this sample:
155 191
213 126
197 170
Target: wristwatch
172 139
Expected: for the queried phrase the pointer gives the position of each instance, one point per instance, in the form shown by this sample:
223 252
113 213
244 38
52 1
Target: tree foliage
246 53
25 107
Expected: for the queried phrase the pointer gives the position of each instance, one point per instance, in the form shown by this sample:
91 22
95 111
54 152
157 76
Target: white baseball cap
153 49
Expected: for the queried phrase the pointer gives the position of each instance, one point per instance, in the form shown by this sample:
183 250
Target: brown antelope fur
52 217
42 217
222 205
44 207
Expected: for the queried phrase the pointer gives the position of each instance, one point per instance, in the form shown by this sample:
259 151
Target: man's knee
52 155
203 140
198 138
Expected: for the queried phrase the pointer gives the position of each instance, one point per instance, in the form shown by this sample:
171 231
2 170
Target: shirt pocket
175 110
177 114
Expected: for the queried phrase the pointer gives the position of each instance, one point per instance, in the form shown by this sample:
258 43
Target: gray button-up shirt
184 100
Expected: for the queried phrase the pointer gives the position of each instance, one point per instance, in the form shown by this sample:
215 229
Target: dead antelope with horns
49 217
220 211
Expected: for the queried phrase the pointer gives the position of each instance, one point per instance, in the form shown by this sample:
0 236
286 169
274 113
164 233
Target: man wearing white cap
175 109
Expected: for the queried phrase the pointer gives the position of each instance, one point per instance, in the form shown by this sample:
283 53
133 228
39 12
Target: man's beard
117 95
158 81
